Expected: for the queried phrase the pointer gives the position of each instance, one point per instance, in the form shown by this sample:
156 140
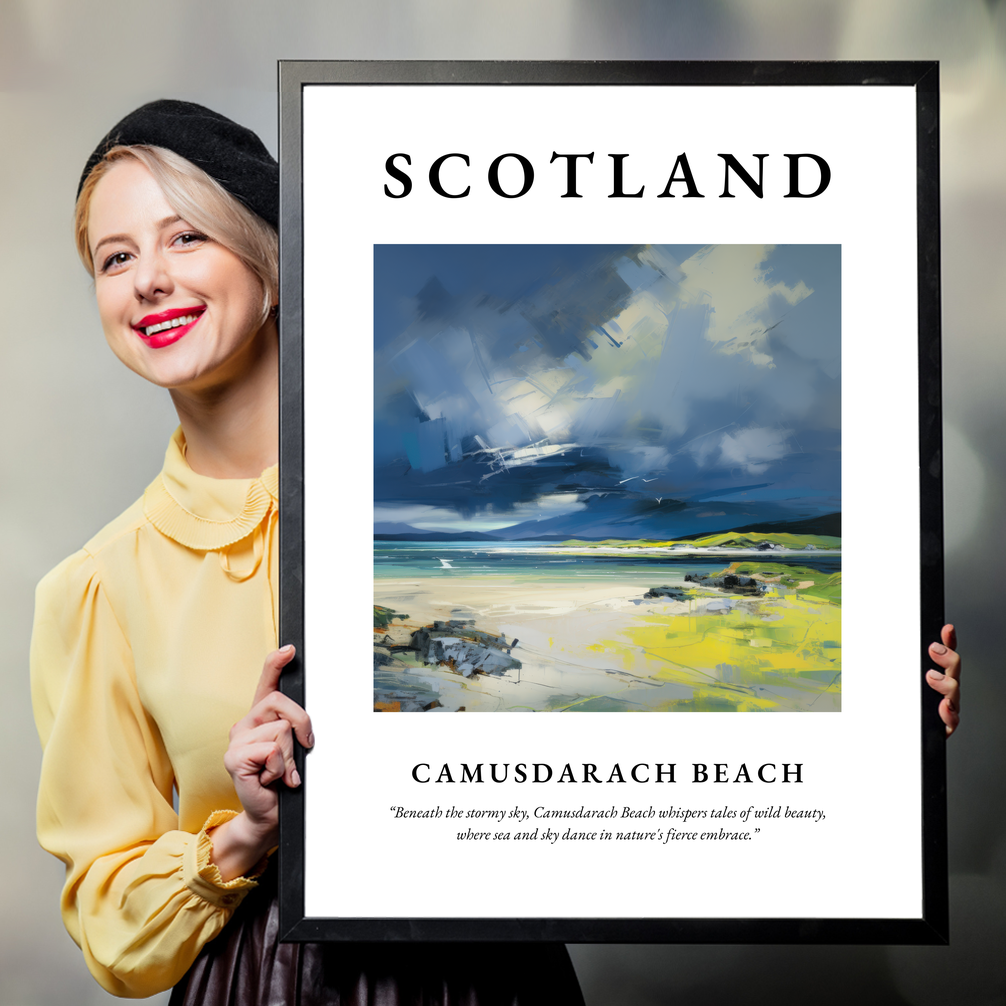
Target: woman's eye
190 238
114 261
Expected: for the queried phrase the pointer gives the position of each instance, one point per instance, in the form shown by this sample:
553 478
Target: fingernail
287 649
936 675
310 740
938 648
295 777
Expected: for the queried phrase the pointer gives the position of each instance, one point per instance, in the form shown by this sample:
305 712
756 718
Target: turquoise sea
545 560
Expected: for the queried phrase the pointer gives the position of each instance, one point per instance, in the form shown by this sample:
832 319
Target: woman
148 643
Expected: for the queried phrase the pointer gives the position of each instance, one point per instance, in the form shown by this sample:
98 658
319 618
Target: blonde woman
165 735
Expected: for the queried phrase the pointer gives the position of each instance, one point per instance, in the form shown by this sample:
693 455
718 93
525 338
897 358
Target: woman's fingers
947 680
948 709
946 657
949 688
270 703
277 706
271 671
944 684
949 636
274 766
261 761
277 735
261 749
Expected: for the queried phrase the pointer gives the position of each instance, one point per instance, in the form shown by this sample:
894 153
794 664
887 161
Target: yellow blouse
147 647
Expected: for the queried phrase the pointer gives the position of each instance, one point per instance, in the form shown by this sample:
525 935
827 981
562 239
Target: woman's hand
948 681
260 753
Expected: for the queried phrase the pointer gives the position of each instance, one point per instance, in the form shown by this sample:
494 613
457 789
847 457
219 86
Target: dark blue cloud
620 380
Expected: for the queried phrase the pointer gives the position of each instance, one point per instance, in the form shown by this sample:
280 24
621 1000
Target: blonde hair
199 200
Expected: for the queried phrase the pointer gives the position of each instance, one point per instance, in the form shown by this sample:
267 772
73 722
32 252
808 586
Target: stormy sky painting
606 391
607 478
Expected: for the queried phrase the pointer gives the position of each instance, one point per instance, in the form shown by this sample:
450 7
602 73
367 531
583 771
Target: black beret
231 154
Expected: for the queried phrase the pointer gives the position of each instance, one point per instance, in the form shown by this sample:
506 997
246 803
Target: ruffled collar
203 513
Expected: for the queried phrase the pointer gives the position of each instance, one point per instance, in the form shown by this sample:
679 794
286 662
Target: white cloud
744 303
430 518
753 449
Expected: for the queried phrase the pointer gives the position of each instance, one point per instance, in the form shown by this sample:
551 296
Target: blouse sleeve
141 898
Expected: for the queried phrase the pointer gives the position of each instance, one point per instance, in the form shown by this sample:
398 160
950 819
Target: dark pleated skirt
246 965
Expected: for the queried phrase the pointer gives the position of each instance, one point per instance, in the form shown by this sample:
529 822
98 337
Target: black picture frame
931 927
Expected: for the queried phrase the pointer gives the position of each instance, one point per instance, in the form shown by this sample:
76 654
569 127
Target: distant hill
602 521
752 539
437 536
829 525
758 540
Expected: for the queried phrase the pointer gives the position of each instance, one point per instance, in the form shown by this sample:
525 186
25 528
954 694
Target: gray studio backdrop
82 436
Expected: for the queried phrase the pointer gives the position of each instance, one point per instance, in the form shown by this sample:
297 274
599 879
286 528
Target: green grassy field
724 539
739 659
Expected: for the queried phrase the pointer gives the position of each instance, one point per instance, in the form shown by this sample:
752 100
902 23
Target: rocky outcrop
455 644
461 647
732 583
669 593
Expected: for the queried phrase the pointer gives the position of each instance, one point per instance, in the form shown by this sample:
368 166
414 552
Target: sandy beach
598 645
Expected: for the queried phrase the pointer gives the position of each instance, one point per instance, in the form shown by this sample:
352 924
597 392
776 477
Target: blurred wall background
82 436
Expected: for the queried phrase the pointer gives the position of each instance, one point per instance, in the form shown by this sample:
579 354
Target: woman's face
177 308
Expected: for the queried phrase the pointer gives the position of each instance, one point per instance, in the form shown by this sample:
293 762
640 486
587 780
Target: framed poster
610 397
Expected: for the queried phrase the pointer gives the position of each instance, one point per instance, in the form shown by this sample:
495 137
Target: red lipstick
166 325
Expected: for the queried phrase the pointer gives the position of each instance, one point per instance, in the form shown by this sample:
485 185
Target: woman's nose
152 277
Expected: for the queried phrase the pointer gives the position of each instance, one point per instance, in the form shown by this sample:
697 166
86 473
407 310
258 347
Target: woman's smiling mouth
166 327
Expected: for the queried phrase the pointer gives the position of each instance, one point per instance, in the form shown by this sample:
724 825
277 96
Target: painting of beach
607 478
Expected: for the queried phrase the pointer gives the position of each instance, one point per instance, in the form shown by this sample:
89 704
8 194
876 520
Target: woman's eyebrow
109 240
160 225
